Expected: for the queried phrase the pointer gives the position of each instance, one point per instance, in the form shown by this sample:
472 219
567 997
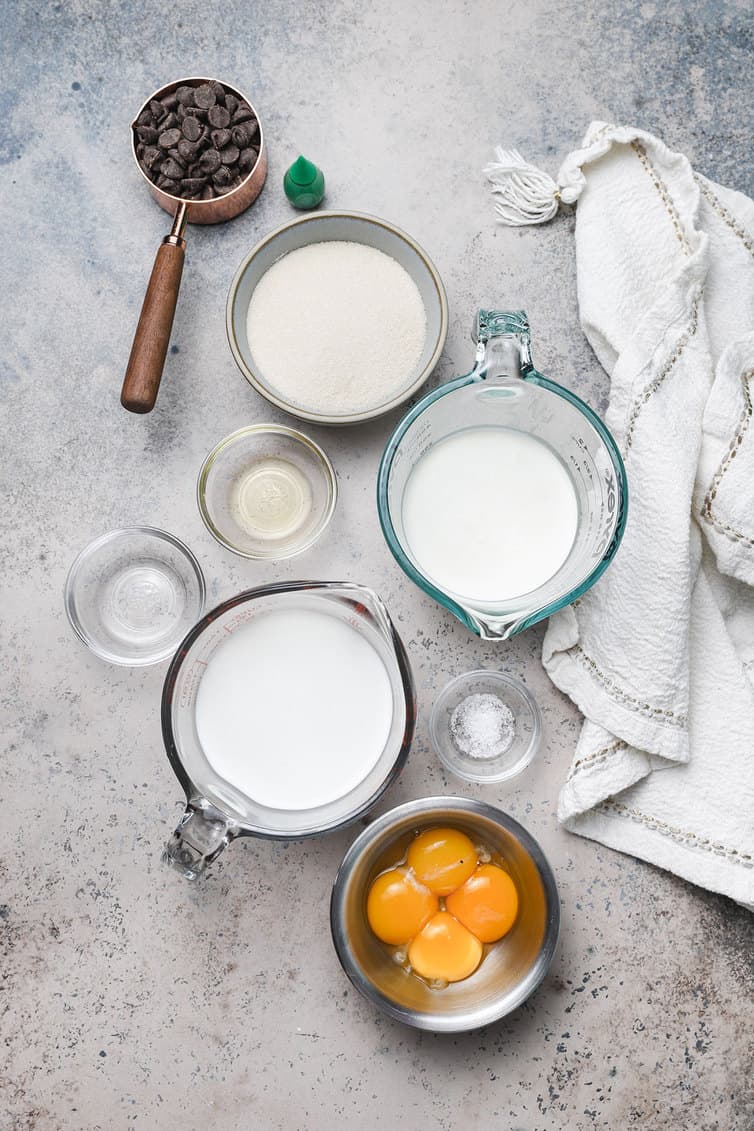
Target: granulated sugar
336 327
482 726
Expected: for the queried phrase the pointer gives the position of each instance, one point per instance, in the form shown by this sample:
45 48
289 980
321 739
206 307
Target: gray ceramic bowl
323 227
513 967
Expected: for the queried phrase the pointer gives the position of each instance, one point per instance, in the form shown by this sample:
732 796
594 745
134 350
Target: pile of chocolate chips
198 142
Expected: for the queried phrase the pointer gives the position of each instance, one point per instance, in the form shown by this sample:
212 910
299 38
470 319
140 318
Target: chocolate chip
219 117
158 110
191 129
172 169
241 135
170 101
205 96
221 138
243 114
187 149
222 177
145 118
229 155
147 134
140 148
175 154
248 158
210 160
245 133
185 95
208 193
232 103
196 170
169 139
167 184
150 156
219 90
193 185
229 188
170 122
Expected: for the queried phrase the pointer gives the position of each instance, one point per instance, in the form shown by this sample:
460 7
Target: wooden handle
152 336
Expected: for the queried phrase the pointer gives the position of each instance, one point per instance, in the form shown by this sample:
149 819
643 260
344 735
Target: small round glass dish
485 726
133 594
266 492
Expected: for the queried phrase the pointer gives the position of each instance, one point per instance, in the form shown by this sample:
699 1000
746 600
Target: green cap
304 184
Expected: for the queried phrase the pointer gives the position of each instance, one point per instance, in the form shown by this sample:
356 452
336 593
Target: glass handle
493 323
503 343
202 833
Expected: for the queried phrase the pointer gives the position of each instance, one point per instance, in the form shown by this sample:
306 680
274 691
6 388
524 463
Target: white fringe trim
525 194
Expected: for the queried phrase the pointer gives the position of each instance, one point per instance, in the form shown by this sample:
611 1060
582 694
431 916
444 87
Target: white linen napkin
659 655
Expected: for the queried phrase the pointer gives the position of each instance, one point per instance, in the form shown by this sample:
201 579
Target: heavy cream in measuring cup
489 514
294 709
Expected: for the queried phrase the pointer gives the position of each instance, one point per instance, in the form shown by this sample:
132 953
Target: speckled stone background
129 997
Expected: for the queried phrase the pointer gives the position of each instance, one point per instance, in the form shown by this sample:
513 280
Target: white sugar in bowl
336 336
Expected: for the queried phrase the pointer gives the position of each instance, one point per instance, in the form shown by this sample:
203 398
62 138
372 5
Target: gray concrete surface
129 998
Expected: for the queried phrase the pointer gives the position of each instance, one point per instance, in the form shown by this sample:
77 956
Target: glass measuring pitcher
217 810
505 391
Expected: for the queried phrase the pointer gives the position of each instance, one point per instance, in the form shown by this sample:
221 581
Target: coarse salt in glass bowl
485 726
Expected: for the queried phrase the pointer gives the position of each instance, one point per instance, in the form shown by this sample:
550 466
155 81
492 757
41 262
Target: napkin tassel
524 194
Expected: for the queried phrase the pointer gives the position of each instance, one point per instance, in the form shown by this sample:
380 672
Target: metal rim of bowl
528 754
279 430
347 418
471 1019
92 547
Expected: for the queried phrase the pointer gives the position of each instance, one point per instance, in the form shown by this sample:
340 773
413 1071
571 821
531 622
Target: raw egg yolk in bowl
441 904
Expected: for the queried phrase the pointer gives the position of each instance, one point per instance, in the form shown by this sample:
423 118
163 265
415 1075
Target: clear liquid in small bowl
142 602
271 499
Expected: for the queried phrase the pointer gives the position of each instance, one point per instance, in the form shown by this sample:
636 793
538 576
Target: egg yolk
398 906
445 950
487 903
442 859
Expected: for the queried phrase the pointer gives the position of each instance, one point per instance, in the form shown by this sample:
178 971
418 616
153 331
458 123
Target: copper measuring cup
152 335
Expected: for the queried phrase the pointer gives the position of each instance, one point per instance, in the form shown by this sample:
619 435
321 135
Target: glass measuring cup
505 390
216 811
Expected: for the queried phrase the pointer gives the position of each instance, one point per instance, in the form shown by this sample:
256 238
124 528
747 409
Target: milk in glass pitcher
502 494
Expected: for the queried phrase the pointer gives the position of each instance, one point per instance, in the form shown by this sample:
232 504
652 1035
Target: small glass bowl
133 594
266 492
515 755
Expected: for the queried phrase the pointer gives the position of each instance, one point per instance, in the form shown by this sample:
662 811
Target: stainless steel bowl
512 969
